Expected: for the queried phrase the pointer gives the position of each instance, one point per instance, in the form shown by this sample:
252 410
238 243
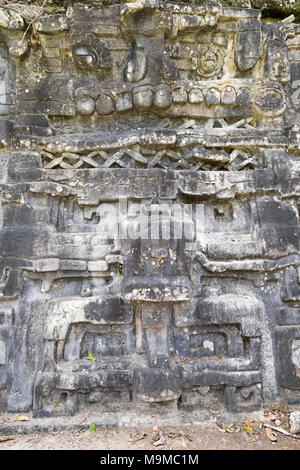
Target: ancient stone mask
149 209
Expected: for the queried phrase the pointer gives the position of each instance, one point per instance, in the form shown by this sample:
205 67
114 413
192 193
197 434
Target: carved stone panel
149 209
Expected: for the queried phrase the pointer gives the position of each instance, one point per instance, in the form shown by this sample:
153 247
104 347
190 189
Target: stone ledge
57 6
124 419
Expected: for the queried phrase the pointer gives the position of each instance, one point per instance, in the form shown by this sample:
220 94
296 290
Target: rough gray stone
295 422
183 115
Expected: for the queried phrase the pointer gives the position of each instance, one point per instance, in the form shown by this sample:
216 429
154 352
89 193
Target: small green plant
120 270
91 356
229 430
4 439
92 428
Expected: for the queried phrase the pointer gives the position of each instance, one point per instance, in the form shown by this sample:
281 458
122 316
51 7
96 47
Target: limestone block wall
119 125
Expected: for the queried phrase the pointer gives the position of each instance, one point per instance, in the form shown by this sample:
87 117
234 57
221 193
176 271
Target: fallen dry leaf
248 429
138 436
173 435
271 435
159 439
236 429
272 416
155 428
249 422
23 418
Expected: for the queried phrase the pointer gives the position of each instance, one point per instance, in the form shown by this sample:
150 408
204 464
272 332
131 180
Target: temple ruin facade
118 121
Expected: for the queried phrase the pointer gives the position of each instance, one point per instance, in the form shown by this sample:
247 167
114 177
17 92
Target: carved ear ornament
269 99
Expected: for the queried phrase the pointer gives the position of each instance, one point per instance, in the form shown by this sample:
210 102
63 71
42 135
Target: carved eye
90 53
85 57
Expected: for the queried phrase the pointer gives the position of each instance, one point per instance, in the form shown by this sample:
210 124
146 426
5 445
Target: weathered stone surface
295 422
149 206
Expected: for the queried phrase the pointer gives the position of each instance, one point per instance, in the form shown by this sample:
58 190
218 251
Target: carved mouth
198 99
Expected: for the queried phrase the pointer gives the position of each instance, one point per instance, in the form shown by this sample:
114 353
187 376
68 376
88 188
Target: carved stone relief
189 115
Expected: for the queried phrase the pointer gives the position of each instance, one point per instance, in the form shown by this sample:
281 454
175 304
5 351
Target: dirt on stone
172 438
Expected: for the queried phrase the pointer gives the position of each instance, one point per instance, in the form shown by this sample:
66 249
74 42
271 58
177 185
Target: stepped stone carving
149 209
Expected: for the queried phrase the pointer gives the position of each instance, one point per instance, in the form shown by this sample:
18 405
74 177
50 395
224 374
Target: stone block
295 422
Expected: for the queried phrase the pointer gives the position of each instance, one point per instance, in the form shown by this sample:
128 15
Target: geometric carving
194 159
